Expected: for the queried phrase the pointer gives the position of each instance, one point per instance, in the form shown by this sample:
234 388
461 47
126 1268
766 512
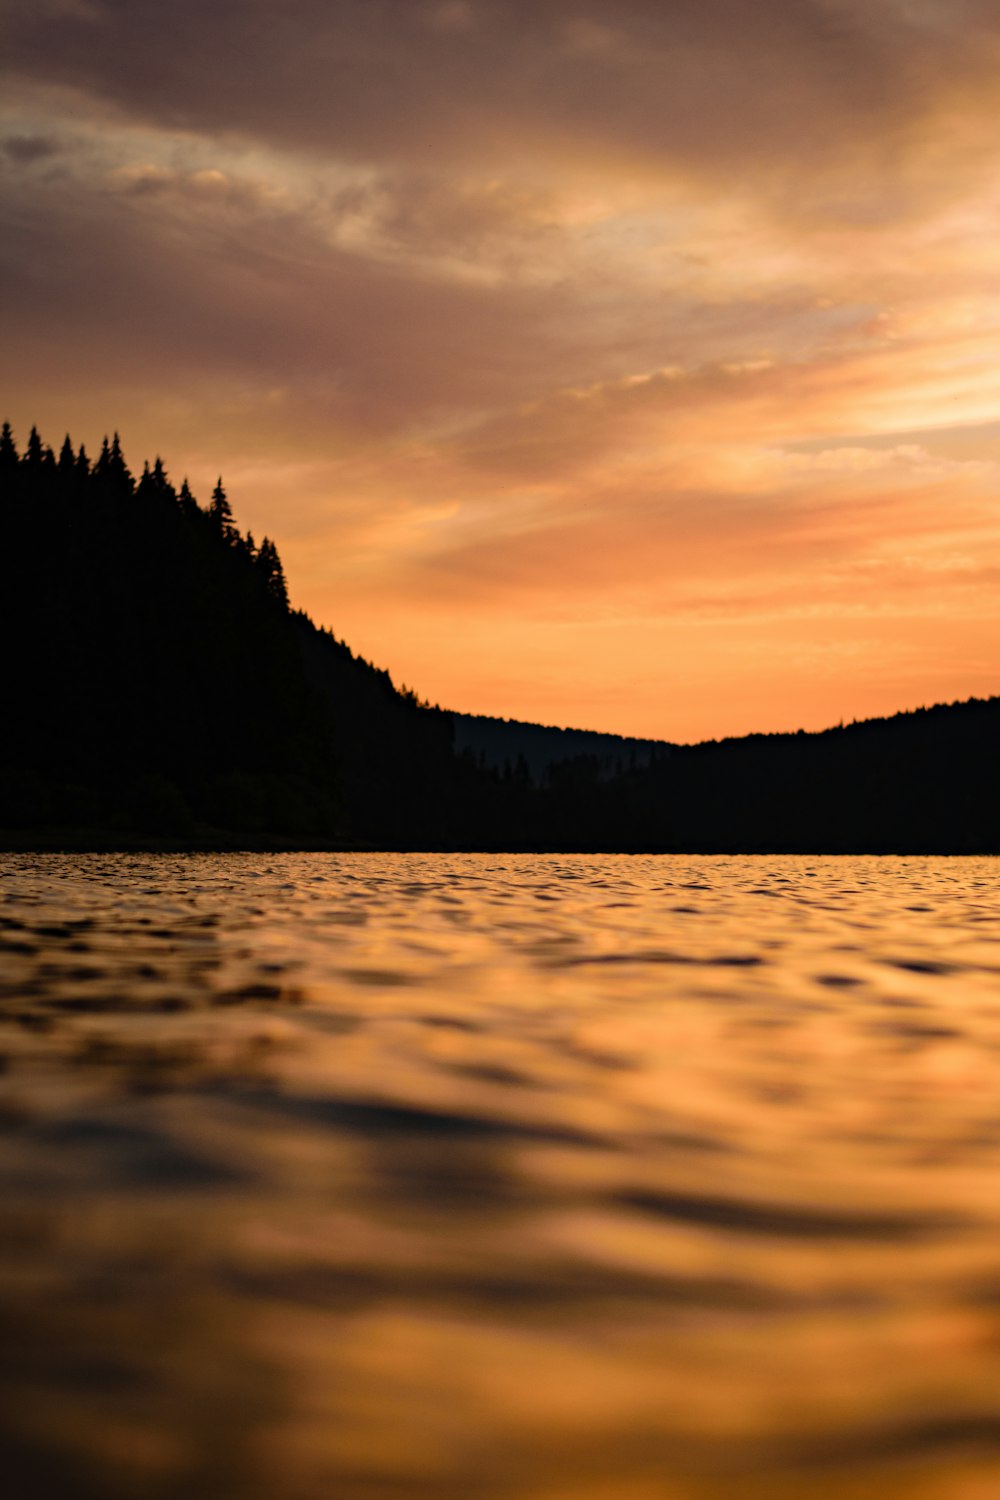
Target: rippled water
384 1177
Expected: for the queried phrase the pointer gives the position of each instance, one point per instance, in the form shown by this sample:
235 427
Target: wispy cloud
546 338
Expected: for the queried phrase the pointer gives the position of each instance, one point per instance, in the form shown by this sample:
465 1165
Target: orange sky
629 366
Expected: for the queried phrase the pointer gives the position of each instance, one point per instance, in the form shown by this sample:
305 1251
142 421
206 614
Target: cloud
522 323
166 274
700 83
26 149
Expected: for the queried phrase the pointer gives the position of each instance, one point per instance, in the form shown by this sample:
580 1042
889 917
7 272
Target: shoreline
104 841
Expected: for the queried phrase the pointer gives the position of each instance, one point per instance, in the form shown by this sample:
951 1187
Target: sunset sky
634 366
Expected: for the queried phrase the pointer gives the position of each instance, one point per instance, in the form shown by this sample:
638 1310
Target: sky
630 366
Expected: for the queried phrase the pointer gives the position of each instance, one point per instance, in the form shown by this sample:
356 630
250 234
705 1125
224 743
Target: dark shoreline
93 841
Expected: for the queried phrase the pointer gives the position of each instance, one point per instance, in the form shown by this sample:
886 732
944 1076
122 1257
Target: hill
158 685
537 749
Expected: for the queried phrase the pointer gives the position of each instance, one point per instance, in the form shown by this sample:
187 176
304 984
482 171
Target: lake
481 1177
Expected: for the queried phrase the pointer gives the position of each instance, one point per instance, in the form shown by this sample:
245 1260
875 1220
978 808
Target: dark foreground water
382 1177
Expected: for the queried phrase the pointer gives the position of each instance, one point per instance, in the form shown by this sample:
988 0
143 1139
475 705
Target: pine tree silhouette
34 452
161 483
118 469
221 512
268 565
8 450
188 504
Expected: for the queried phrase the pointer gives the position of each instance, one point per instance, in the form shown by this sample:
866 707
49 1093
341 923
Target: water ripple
382 1177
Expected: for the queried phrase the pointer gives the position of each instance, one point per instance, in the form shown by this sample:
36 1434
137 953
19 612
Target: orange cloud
638 369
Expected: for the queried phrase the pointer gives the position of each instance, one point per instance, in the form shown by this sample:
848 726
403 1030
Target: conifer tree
268 564
221 512
154 484
161 483
34 452
117 467
8 450
67 458
145 489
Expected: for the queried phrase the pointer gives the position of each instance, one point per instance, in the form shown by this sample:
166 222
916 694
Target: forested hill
158 688
157 684
536 750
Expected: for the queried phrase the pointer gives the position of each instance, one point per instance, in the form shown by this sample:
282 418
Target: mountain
160 690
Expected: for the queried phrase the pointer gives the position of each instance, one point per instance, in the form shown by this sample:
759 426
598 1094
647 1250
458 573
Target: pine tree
186 500
145 489
34 453
67 458
117 467
161 481
268 564
221 512
8 450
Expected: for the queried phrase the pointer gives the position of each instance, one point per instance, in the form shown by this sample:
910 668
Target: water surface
385 1177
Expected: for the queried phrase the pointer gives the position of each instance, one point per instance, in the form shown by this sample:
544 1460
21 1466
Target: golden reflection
378 1176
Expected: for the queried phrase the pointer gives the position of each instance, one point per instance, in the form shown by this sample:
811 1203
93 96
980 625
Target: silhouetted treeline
540 747
157 685
920 782
156 682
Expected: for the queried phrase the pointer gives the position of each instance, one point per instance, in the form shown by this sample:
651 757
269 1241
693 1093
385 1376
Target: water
383 1177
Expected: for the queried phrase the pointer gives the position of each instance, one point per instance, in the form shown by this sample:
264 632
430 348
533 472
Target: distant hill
504 743
159 690
924 781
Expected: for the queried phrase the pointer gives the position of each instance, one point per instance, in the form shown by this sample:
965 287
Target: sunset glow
634 367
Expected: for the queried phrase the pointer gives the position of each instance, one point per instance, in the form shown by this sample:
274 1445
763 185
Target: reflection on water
383 1177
